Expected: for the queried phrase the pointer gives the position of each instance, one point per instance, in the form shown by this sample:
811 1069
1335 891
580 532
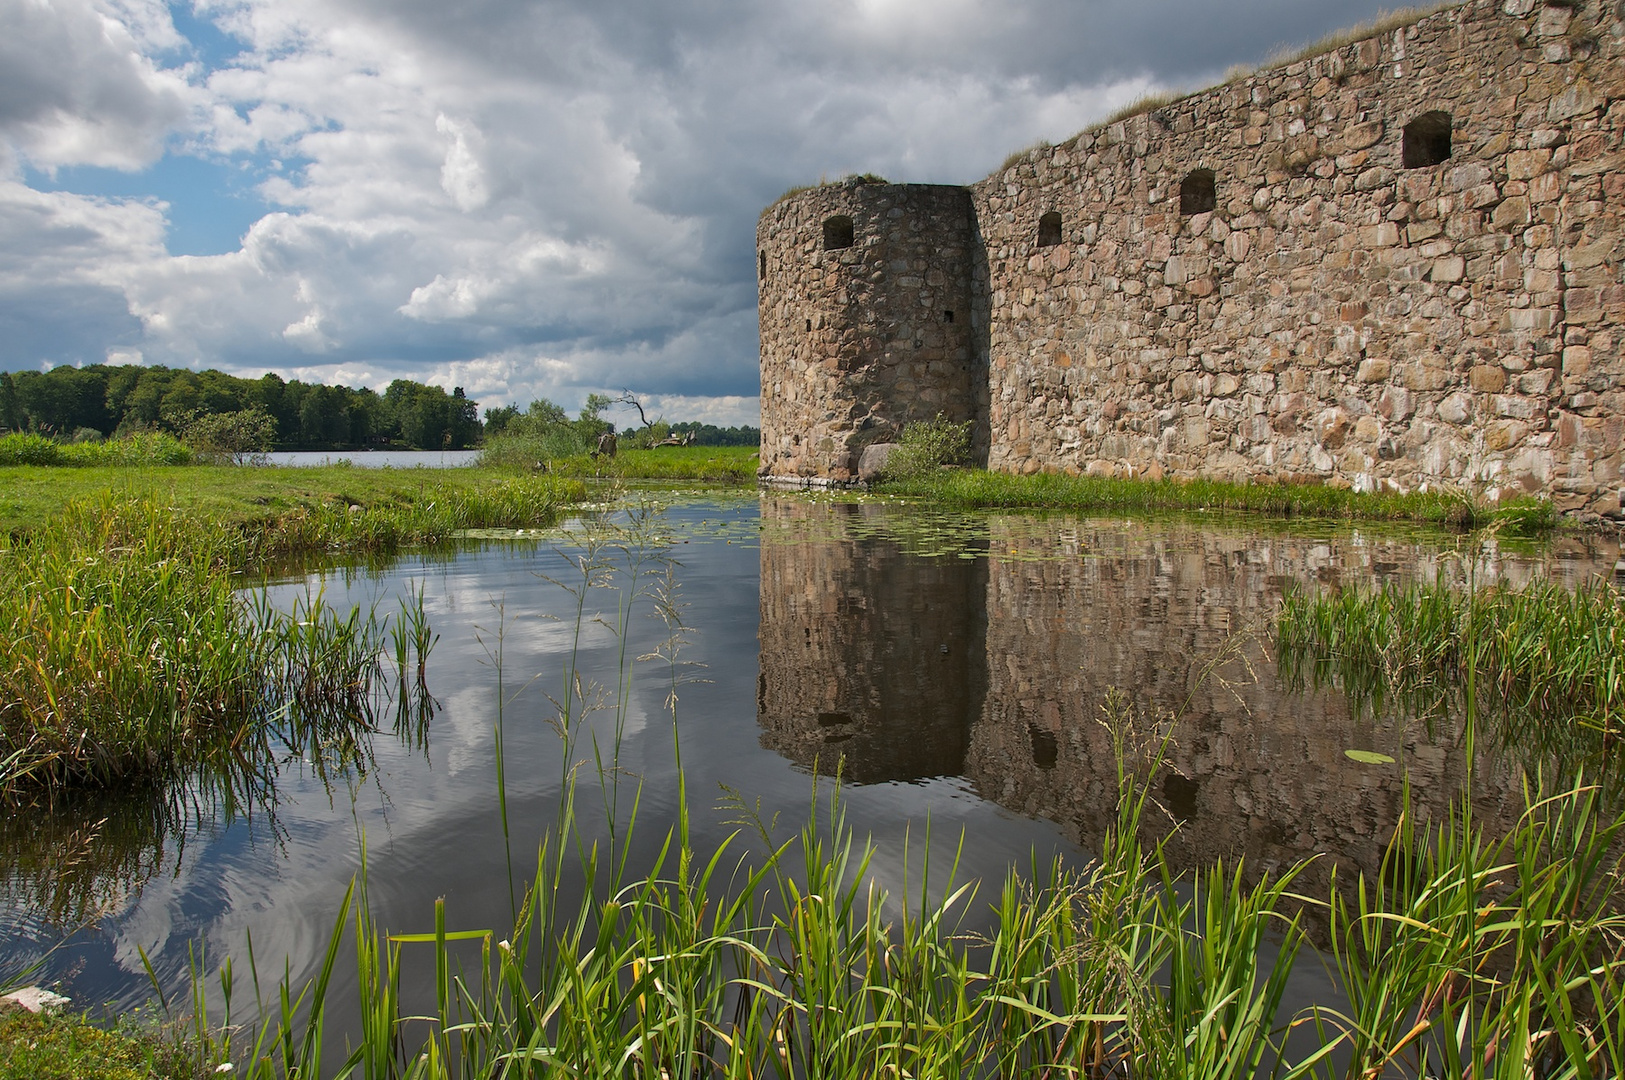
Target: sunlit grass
709 464
323 507
978 488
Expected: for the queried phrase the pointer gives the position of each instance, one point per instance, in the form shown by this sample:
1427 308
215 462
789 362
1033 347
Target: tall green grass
767 955
978 488
146 448
1547 662
131 653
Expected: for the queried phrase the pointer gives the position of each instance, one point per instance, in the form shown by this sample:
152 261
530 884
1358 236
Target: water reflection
966 689
999 668
868 655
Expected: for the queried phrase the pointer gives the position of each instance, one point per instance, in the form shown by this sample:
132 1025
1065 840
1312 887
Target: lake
953 668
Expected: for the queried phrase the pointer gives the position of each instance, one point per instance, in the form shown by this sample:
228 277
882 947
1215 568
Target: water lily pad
1368 757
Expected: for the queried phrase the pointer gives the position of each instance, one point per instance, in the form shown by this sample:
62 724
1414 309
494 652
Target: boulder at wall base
873 461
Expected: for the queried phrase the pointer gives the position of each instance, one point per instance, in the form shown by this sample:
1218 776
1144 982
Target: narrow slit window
761 266
1426 141
837 232
1049 229
809 326
1198 192
947 316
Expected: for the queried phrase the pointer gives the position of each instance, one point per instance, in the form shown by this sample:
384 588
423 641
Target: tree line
101 400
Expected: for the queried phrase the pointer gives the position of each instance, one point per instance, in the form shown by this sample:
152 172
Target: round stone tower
864 297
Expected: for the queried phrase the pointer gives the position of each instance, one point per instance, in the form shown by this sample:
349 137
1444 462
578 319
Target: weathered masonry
1391 265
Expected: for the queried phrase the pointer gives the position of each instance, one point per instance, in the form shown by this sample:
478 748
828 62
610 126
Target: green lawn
707 464
32 496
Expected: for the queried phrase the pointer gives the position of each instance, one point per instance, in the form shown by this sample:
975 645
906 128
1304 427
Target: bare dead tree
626 398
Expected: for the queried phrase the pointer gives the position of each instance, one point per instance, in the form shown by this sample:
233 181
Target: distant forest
99 401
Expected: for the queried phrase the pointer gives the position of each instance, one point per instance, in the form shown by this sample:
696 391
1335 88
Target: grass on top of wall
1384 23
979 489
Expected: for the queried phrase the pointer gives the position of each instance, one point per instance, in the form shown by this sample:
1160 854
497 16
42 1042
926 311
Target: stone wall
861 339
1344 312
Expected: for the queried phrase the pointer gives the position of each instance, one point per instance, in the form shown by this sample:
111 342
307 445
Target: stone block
1527 164
1575 100
1500 435
1357 137
1372 370
1373 178
1576 360
1456 409
1511 214
1487 379
1466 177
1587 255
872 462
1515 407
1448 270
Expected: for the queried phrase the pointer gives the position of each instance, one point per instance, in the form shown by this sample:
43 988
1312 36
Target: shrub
27 448
231 436
927 445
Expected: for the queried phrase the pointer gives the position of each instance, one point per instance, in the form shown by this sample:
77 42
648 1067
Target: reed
1547 662
132 654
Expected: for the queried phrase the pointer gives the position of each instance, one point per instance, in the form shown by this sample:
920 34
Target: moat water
952 668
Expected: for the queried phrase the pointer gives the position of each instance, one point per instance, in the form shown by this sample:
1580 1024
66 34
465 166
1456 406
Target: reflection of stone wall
1257 771
866 653
852 633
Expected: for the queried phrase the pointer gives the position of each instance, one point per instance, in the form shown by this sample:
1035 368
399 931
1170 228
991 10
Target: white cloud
461 176
80 84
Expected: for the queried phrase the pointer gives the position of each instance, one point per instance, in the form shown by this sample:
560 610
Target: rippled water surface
952 668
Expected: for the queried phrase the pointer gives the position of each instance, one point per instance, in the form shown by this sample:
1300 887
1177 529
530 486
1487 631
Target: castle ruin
1391 265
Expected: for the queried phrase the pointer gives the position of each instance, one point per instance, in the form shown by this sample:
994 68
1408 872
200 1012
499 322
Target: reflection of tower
867 654
865 308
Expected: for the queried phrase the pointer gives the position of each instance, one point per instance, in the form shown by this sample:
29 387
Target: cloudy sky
521 197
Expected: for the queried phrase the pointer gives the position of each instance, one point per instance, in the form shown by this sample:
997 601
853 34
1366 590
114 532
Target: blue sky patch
211 203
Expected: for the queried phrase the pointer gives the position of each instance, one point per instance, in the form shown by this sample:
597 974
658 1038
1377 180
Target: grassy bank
132 653
707 464
289 510
132 656
979 489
